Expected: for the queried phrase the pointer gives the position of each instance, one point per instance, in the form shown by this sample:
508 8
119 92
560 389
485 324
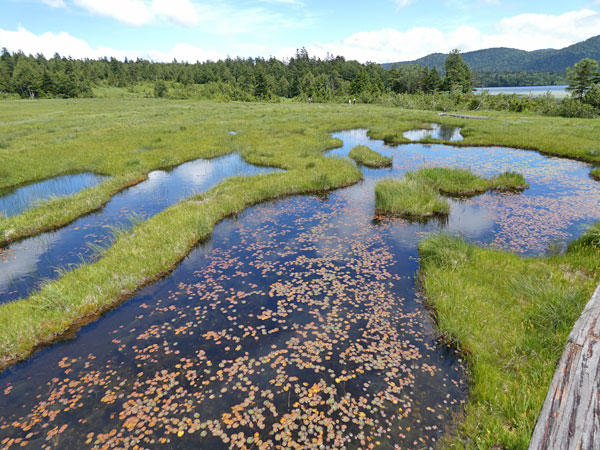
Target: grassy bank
369 158
511 317
58 212
151 250
417 195
461 182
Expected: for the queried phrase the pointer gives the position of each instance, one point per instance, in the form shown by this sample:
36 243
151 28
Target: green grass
369 158
409 197
57 212
595 174
511 317
417 195
461 182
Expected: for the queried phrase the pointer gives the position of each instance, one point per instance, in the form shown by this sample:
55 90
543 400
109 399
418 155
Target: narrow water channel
15 201
25 264
297 324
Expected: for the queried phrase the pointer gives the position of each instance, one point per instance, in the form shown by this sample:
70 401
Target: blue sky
375 30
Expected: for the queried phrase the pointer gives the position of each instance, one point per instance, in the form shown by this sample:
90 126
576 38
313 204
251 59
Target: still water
437 131
15 201
297 324
26 264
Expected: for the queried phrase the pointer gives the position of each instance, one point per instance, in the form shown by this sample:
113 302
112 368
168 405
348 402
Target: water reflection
437 131
27 263
13 202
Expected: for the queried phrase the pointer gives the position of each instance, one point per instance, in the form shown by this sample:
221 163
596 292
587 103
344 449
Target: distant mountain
513 60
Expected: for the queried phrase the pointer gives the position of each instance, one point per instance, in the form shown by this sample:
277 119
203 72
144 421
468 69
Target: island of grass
596 174
410 197
463 183
418 194
369 158
510 316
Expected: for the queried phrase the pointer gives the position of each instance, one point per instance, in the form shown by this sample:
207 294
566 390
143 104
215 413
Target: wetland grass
462 182
369 158
511 317
409 197
120 137
417 195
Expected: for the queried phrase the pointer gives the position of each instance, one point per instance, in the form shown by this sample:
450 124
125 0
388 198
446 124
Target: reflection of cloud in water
437 131
470 219
161 190
561 193
29 252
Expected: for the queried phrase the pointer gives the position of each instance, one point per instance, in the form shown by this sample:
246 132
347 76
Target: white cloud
68 45
55 3
403 3
186 52
181 12
139 12
525 31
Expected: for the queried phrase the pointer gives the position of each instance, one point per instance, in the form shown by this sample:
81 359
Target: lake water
533 91
298 323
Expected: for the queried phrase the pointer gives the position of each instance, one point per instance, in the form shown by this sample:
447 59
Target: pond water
297 324
25 264
437 131
15 201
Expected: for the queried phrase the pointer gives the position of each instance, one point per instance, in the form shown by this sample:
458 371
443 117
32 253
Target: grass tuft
369 158
589 239
461 182
417 195
409 197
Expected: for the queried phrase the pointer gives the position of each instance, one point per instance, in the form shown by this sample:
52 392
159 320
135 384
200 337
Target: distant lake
534 91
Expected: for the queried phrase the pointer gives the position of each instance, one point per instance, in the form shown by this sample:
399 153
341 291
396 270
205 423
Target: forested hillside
500 60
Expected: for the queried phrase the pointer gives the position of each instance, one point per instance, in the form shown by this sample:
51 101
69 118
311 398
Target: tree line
302 76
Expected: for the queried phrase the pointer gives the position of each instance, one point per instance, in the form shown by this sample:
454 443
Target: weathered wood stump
570 417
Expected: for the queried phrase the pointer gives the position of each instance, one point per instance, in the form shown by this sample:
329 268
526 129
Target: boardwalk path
570 417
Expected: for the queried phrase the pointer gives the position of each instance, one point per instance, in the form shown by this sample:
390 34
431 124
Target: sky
366 30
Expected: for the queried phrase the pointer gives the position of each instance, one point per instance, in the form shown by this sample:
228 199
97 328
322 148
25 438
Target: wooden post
570 417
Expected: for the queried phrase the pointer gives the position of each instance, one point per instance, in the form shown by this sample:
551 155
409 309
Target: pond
25 264
15 201
297 323
437 131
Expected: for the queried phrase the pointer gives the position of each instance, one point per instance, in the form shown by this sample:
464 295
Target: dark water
437 131
24 265
16 201
296 324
